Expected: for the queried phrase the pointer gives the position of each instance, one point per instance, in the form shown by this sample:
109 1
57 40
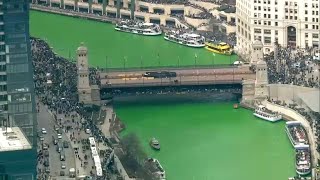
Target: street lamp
213 54
141 63
106 63
195 60
124 69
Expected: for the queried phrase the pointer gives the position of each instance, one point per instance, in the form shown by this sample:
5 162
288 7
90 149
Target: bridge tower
84 89
256 52
261 83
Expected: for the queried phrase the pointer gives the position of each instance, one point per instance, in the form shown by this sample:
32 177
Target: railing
158 68
171 83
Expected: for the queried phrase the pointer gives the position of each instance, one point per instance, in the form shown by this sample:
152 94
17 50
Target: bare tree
134 158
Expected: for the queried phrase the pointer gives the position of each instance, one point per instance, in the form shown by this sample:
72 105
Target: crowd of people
56 86
296 67
292 66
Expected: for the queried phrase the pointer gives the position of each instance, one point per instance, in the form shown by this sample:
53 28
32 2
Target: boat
303 160
154 143
264 113
137 27
186 39
220 48
296 133
158 169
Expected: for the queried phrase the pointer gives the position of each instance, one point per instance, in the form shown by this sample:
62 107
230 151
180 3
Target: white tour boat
296 133
136 27
264 113
187 39
303 160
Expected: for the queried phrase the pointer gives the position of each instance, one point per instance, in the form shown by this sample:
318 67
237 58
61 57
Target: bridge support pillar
248 91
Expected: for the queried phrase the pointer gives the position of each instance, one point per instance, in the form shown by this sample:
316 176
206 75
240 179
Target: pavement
46 120
107 122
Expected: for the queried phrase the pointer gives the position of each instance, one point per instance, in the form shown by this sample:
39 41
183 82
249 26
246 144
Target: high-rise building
289 22
18 145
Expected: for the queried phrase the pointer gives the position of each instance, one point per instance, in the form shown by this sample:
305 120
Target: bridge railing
172 83
168 68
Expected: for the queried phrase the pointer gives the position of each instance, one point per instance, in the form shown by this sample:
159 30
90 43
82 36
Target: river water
202 137
65 34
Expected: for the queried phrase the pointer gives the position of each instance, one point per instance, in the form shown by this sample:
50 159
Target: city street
45 120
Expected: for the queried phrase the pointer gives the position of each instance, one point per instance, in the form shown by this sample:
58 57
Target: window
315 35
276 16
267 31
3 88
305 12
257 30
306 26
267 39
276 32
295 17
306 35
306 18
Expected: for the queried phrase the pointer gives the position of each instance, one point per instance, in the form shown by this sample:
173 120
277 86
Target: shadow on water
173 95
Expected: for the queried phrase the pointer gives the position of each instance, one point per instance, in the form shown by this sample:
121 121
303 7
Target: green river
209 140
200 139
65 34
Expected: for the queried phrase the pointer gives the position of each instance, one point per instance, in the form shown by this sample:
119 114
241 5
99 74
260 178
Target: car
59 136
46 163
47 170
41 138
65 144
56 127
63 165
44 146
46 153
43 130
62 173
88 131
55 141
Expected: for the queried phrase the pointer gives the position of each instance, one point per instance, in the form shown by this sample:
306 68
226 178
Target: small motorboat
154 143
235 106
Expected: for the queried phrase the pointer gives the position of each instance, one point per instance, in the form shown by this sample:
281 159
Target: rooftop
13 139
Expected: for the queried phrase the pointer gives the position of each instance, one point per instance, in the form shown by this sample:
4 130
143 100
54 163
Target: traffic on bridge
176 77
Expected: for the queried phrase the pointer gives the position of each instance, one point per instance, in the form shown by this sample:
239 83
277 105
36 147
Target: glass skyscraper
18 145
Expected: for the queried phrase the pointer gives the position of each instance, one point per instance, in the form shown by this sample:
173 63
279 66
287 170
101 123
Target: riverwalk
297 117
72 13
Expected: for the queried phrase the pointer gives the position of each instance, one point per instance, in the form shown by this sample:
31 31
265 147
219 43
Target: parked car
56 128
65 144
63 165
62 156
55 141
43 130
44 146
41 138
59 136
62 173
46 153
46 163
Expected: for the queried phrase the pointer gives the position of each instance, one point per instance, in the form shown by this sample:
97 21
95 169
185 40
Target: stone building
88 94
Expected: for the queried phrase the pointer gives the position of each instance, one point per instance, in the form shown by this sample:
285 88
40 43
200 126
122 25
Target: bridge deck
184 77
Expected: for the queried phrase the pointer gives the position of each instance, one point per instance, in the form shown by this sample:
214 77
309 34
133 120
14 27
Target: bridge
192 76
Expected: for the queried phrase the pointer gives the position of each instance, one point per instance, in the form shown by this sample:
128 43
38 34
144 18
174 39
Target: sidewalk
105 127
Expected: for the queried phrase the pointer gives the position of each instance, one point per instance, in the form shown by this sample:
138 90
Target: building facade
17 98
292 23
